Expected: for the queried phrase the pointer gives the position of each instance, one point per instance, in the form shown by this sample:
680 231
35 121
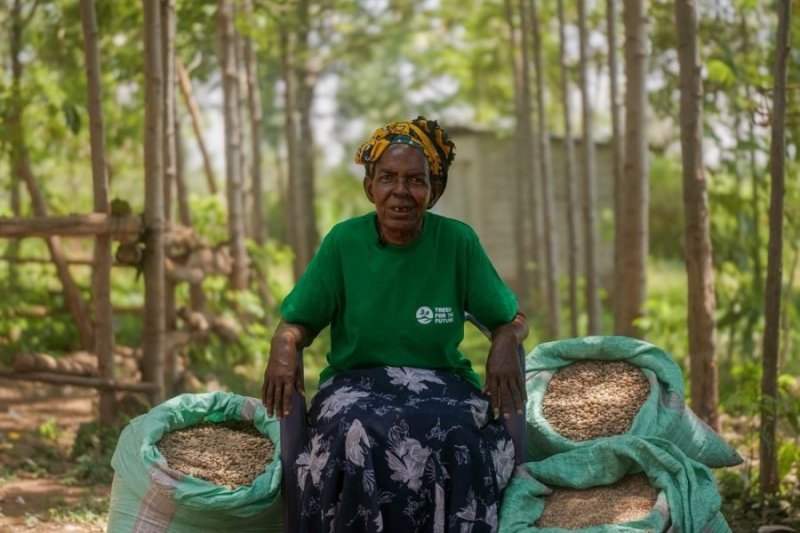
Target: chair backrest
294 435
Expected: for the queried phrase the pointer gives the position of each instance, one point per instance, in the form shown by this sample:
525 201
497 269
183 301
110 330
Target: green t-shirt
399 305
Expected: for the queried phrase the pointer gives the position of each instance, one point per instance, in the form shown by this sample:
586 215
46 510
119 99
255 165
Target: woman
401 436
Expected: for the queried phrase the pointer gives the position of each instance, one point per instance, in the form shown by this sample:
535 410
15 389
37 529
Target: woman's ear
437 188
368 189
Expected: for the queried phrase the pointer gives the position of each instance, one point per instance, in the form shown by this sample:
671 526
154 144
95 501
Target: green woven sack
664 414
148 496
689 501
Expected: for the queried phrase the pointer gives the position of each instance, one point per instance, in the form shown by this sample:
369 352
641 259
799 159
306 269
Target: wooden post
153 341
101 273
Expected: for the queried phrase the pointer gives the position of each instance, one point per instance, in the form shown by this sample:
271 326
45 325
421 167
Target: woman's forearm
297 334
518 328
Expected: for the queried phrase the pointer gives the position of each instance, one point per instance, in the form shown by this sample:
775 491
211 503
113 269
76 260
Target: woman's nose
400 186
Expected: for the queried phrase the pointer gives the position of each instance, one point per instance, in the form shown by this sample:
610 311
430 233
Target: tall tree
254 107
298 94
546 181
101 271
569 175
170 170
772 298
701 324
634 193
154 280
523 140
590 232
617 141
233 147
299 70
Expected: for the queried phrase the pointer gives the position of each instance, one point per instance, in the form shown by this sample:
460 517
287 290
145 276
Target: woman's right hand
281 377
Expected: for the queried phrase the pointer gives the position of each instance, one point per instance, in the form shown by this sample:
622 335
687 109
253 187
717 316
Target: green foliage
92 451
665 216
50 431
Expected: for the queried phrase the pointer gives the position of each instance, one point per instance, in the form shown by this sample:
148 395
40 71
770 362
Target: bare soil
33 493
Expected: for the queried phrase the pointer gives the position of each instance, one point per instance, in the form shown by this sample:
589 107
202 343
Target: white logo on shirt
424 315
437 315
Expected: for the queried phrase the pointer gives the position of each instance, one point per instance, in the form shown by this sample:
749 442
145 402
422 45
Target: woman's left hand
504 377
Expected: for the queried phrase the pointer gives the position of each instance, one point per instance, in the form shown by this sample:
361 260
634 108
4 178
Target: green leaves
71 117
719 72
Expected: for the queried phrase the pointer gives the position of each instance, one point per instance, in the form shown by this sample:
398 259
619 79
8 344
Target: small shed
481 193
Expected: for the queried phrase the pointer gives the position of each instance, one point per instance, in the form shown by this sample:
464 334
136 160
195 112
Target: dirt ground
36 498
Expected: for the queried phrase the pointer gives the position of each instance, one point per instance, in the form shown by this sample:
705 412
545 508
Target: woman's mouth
401 209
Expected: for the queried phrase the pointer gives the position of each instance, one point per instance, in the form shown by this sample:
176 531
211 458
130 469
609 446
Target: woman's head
425 135
406 174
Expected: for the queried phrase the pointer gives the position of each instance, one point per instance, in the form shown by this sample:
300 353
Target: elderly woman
402 438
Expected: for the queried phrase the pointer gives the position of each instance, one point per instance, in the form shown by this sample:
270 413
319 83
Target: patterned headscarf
423 134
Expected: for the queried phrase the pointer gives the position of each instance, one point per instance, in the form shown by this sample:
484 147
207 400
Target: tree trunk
296 218
233 147
698 254
14 120
154 281
101 273
21 170
170 171
254 105
194 111
772 294
589 182
546 190
299 80
569 176
523 163
634 193
532 212
617 143
755 179
259 220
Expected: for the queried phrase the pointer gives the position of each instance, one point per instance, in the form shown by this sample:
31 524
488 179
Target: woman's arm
281 375
504 376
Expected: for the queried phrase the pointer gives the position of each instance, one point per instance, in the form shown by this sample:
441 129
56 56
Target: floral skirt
402 450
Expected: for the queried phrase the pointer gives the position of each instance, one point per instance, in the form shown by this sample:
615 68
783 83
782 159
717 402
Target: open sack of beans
198 463
584 389
621 484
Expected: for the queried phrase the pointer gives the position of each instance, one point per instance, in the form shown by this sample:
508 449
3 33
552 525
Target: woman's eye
385 178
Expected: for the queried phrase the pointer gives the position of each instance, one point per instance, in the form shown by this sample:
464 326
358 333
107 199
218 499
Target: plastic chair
294 436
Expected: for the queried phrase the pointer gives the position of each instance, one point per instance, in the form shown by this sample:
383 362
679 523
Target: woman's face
401 190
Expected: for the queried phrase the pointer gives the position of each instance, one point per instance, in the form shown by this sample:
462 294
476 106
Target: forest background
269 110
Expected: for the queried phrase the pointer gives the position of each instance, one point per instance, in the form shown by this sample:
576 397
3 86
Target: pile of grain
631 498
228 454
590 399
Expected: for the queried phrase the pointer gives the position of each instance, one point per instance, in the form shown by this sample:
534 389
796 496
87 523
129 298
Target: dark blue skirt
402 450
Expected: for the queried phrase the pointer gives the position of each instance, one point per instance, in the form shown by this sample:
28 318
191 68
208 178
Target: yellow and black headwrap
425 135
